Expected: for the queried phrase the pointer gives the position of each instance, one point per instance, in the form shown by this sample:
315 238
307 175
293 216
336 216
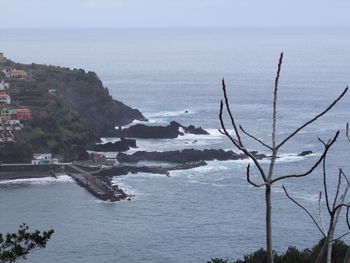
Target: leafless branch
347 131
227 104
225 132
340 206
313 119
343 235
274 113
240 147
330 211
320 212
345 177
347 217
337 189
302 207
314 166
249 181
255 138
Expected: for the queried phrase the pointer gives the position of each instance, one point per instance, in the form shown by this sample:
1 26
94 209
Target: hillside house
16 74
23 114
6 69
6 137
4 86
5 98
4 114
10 125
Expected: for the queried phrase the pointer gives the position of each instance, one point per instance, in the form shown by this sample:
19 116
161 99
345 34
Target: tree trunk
268 224
330 240
329 251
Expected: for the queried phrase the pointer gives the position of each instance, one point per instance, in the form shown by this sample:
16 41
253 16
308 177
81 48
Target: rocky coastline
183 156
171 131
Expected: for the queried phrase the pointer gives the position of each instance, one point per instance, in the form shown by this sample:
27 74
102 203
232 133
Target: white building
43 158
5 98
4 86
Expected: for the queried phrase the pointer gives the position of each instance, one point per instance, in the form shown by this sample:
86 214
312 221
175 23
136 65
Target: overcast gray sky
174 13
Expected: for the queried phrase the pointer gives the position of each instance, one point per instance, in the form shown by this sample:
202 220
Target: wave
169 113
39 181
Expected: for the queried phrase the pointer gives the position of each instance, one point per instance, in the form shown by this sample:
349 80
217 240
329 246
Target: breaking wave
39 181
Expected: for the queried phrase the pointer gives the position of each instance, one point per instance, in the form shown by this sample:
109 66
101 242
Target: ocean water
209 211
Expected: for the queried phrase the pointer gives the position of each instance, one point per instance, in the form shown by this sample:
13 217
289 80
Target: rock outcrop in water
188 155
173 130
120 146
305 153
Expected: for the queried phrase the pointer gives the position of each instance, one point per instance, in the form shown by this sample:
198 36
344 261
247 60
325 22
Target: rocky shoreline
171 131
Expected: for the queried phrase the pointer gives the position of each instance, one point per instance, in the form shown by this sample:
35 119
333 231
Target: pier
100 188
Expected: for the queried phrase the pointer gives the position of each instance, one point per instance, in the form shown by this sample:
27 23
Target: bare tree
267 175
333 209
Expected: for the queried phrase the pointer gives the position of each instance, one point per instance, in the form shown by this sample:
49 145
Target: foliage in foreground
293 255
18 245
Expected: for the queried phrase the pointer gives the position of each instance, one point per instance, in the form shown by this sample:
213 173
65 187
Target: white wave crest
40 181
169 113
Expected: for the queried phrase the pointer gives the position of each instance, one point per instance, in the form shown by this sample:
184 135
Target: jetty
95 179
100 188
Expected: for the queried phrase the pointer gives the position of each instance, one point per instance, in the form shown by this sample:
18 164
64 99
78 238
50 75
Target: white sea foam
40 181
170 113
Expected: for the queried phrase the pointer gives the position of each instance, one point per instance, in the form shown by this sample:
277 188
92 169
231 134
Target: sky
173 13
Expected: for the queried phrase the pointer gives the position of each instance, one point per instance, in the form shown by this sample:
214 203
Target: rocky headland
171 131
122 145
183 156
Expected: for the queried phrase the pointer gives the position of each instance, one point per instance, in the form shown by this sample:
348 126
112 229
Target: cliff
71 109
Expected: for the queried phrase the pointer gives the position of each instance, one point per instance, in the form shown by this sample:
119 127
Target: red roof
2 94
24 111
7 67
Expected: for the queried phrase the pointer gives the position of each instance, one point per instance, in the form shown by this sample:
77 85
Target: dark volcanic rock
120 146
125 169
304 153
188 155
159 132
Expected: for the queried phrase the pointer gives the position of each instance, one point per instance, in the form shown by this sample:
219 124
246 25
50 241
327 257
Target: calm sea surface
205 212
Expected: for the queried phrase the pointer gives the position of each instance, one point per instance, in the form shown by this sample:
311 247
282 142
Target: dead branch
327 147
255 138
230 112
320 212
249 181
341 236
240 147
337 191
347 131
307 211
347 217
274 113
313 119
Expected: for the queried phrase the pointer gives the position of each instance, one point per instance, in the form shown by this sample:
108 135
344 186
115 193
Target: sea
175 74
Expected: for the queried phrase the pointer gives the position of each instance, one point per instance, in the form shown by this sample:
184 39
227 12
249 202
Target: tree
268 175
333 209
18 245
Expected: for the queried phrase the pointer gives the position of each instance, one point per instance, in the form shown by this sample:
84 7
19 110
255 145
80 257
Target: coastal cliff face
71 109
85 94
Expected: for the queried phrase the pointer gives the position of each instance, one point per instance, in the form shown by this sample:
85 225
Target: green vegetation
65 123
293 255
17 245
16 152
